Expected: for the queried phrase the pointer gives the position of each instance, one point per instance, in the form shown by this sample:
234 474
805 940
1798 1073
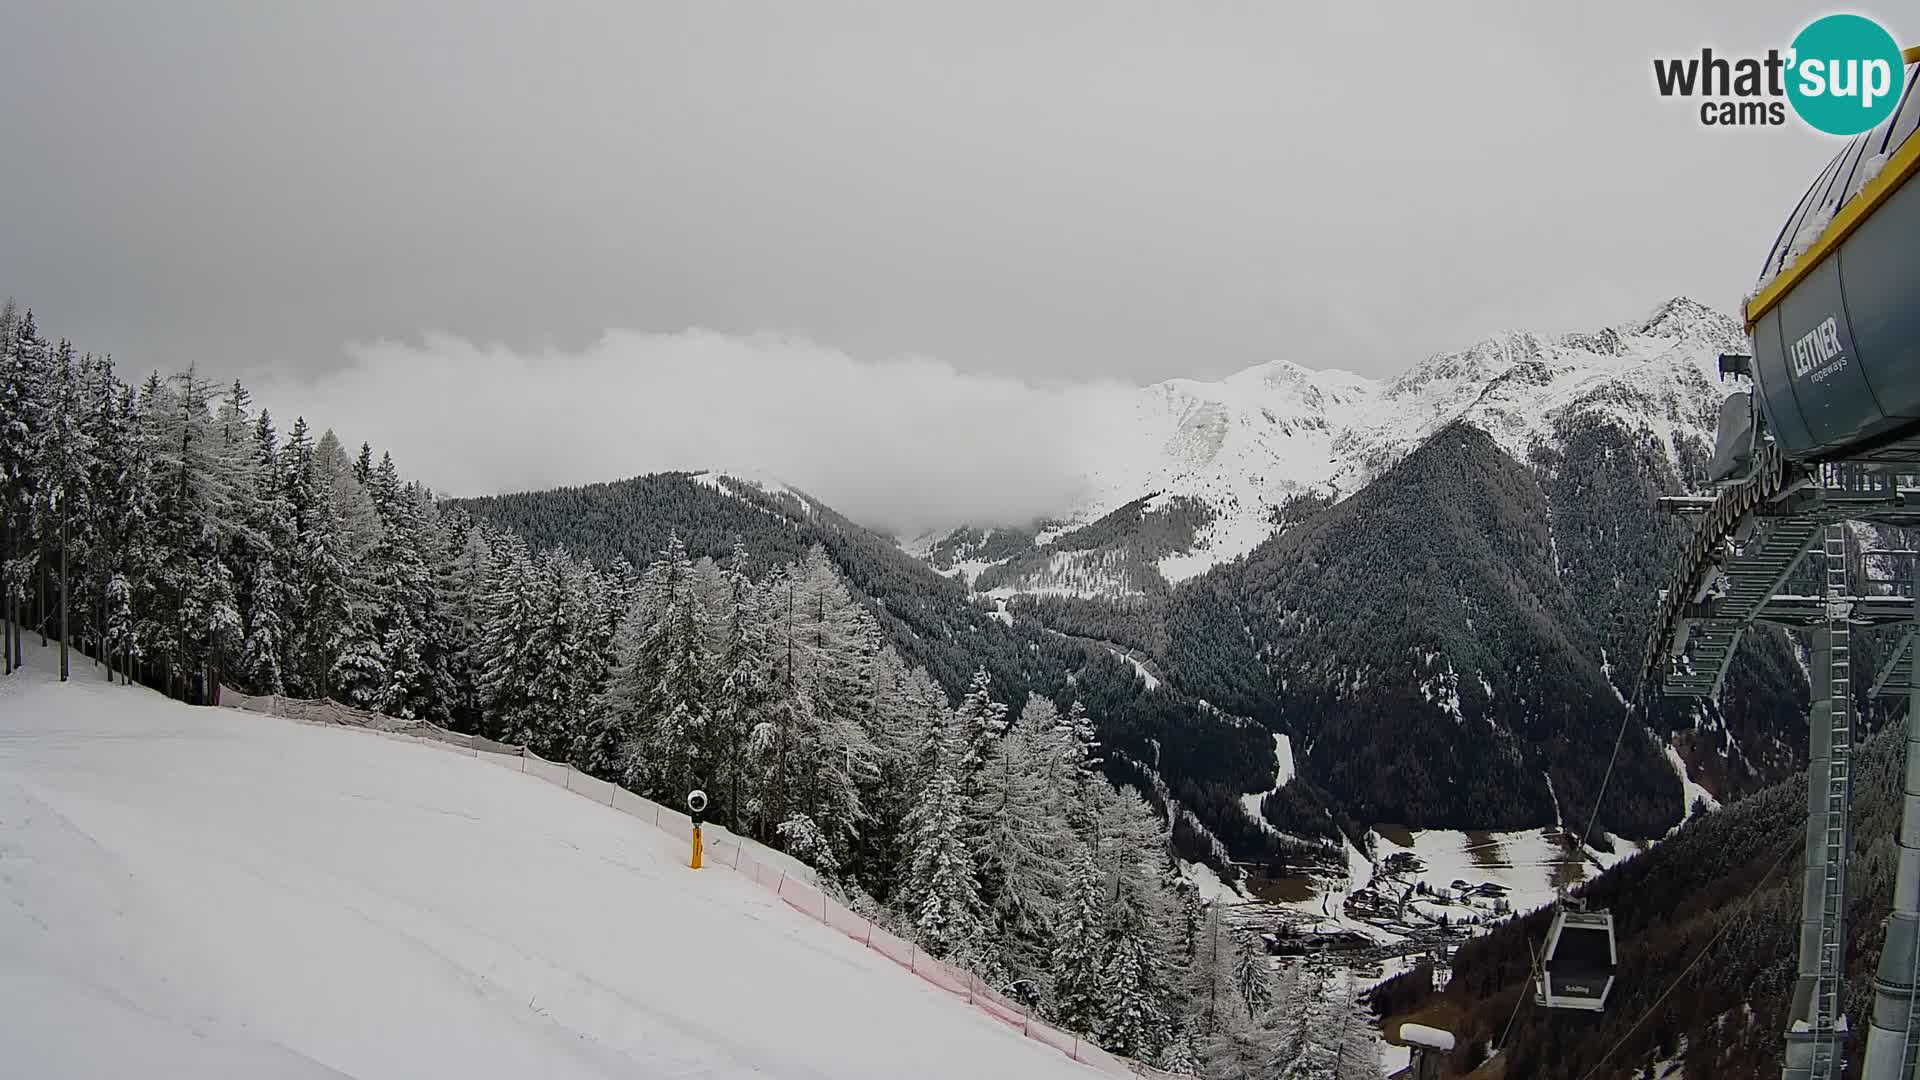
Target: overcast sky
1052 192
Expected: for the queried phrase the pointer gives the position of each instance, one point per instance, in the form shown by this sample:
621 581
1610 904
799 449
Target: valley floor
207 893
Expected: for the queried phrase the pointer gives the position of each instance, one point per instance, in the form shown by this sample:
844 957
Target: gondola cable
1726 925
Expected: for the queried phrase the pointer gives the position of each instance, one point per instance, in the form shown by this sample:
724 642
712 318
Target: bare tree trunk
64 635
41 615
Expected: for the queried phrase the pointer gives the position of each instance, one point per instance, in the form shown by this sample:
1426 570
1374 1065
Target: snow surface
749 478
1691 789
210 893
1207 883
1523 862
1282 773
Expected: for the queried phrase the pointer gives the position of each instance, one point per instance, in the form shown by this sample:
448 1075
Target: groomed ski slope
205 893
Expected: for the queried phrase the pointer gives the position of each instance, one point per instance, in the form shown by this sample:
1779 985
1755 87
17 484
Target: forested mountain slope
1442 645
1723 891
1207 758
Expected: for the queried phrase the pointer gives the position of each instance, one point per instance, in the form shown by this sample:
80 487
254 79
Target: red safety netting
723 850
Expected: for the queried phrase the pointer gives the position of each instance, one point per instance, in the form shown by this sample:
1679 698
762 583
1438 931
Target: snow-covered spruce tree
24 405
436 695
504 668
63 501
1079 949
296 480
119 497
271 540
541 700
1180 1057
1252 976
1133 1014
412 686
939 892
1140 968
123 638
653 714
461 586
980 722
260 654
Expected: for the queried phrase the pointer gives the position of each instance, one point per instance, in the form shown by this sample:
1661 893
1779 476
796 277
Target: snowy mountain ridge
1239 448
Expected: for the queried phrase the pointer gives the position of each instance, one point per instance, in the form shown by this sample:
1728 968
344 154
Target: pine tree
462 597
403 598
1079 950
981 722
64 498
1133 1019
1136 995
656 696
24 407
123 637
117 500
1252 981
939 891
260 656
1179 1057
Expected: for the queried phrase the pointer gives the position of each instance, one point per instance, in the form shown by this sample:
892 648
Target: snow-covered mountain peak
1246 444
1685 319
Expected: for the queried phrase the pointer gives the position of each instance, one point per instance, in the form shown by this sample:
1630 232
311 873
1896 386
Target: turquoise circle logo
1846 74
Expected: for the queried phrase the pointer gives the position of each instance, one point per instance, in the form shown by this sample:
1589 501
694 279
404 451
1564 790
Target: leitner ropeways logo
1842 75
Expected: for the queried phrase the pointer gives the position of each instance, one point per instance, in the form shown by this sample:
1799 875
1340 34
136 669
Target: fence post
869 935
913 958
656 815
782 885
1076 1048
523 759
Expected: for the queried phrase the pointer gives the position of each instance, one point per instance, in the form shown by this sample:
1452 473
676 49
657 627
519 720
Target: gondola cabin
1580 961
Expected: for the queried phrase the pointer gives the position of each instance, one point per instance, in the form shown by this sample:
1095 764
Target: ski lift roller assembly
1824 433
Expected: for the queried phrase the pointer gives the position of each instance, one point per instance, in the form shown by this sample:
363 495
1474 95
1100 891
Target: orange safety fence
794 886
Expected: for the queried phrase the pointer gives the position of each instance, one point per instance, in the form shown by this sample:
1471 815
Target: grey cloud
1123 189
1080 190
904 445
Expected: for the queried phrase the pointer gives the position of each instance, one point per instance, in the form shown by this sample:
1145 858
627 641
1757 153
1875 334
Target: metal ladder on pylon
1832 970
